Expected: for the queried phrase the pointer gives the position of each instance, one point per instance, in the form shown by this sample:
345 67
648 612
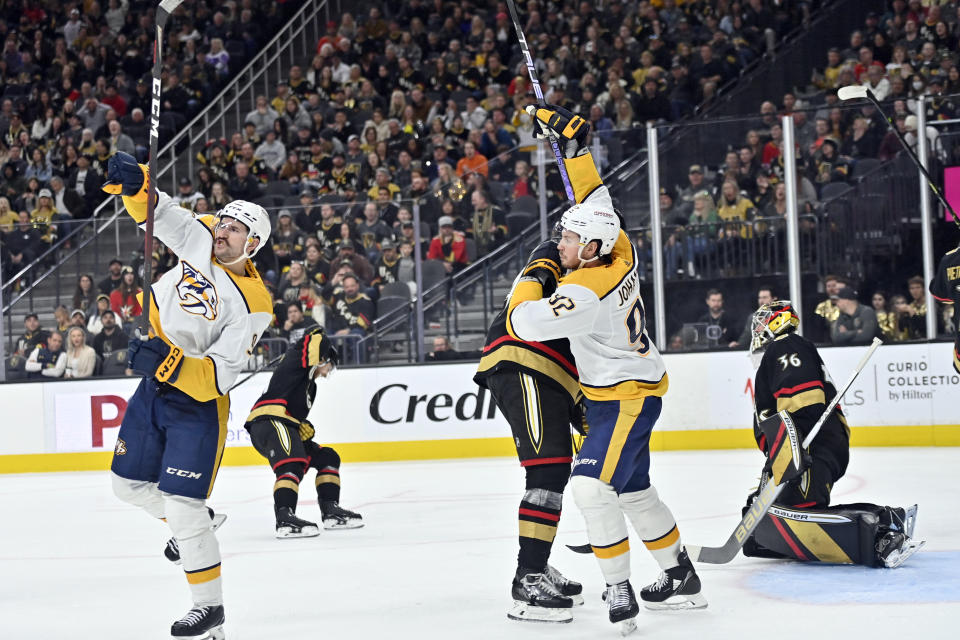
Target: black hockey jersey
550 361
945 287
792 377
291 391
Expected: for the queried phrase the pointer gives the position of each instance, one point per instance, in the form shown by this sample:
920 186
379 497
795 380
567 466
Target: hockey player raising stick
282 434
206 316
791 391
945 287
536 388
597 305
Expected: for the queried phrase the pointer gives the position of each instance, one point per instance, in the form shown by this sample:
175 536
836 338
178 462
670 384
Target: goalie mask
254 218
591 223
769 322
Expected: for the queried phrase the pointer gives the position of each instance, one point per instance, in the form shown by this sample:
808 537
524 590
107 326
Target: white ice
438 551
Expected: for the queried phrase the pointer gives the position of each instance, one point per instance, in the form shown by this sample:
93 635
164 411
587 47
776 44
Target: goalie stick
532 71
766 497
859 91
166 8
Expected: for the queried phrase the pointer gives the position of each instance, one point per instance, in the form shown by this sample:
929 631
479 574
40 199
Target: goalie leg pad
199 551
606 526
139 493
655 525
843 534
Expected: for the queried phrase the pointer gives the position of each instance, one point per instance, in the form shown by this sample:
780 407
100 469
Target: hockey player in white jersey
206 316
597 305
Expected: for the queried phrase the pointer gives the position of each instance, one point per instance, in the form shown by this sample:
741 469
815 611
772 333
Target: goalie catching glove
568 130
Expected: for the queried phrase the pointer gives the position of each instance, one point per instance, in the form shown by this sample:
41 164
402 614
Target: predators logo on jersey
198 294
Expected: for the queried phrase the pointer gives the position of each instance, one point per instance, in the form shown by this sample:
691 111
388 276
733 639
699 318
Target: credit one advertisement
902 385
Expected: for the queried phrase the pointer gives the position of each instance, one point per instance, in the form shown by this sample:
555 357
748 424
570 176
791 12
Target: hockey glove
306 430
544 266
154 358
126 178
569 130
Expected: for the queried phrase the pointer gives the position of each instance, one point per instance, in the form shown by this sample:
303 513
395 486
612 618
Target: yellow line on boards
910 436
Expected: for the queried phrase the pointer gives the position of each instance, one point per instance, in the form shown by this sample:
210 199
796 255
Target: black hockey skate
336 517
676 588
172 550
200 623
622 606
896 545
569 588
290 526
536 599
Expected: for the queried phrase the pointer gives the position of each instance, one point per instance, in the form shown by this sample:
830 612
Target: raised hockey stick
163 14
532 71
766 497
854 92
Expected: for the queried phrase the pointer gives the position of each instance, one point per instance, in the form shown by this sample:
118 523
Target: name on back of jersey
628 290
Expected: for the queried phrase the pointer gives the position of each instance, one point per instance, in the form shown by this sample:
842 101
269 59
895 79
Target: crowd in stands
415 103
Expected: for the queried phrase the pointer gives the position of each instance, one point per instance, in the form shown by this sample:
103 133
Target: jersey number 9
636 322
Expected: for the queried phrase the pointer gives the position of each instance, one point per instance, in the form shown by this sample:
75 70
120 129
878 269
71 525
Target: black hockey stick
163 14
859 91
730 549
532 71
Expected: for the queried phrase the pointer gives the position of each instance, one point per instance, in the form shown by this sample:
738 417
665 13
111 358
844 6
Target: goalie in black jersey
282 434
791 392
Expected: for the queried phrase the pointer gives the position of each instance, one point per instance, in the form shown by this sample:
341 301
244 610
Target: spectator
94 322
387 266
33 335
725 334
912 316
372 230
826 310
886 319
448 246
737 209
271 151
262 116
186 195
81 359
123 299
243 185
47 360
114 277
317 269
287 240
472 161
855 323
488 223
81 194
62 317
359 265
353 311
23 243
45 217
290 283
120 141
296 323
443 352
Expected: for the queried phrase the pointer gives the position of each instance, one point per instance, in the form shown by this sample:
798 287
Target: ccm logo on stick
183 473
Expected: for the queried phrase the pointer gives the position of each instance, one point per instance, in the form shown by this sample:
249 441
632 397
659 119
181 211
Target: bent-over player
281 433
791 392
945 287
535 386
206 316
597 305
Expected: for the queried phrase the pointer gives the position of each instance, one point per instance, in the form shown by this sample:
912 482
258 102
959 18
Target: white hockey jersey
600 310
214 316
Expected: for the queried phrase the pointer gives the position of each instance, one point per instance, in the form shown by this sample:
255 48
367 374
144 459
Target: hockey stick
726 553
766 497
859 91
532 71
259 370
163 14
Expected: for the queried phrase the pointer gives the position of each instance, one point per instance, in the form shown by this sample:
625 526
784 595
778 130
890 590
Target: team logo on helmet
198 294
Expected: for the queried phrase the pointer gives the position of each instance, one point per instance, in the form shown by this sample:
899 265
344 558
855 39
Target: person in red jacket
448 246
123 299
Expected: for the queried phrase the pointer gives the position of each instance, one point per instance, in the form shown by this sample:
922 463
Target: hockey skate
172 550
336 517
622 606
536 599
200 623
567 587
676 588
290 526
895 546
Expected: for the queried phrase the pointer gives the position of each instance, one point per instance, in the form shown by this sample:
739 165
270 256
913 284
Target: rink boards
906 396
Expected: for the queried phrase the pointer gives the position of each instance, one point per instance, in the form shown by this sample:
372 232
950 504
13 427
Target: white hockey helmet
592 222
255 218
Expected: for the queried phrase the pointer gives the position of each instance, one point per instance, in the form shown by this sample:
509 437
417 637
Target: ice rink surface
438 552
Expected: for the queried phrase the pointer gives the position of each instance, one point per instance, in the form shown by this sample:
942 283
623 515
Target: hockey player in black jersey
536 387
945 287
280 431
791 392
